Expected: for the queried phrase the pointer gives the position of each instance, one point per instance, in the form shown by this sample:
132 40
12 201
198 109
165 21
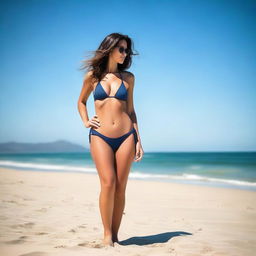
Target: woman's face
116 55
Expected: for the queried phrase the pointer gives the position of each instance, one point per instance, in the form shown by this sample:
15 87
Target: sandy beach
50 213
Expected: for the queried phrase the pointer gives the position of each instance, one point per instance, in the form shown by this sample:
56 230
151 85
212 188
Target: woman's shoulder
88 74
88 78
128 75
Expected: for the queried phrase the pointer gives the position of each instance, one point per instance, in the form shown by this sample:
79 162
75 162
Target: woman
113 136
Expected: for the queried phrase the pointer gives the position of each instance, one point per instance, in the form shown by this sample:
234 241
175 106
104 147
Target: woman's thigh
124 158
104 160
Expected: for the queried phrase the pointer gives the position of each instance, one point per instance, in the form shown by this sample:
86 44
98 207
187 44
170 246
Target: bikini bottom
114 143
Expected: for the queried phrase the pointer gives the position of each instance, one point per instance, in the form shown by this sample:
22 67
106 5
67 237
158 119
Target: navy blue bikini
121 94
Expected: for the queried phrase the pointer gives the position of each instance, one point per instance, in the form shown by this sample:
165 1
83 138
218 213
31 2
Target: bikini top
100 94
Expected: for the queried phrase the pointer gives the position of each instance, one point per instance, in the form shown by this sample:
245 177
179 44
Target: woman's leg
124 158
103 157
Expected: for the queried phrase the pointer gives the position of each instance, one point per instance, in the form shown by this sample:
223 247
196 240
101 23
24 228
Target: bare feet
115 239
108 240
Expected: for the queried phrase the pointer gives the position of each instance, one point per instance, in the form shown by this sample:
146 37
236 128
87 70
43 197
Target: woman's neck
112 67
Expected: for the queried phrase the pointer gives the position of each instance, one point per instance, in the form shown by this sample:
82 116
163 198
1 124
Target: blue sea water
221 169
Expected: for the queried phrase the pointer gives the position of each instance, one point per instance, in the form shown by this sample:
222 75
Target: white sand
45 213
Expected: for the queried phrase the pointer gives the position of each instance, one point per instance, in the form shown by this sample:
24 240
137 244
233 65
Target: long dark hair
98 63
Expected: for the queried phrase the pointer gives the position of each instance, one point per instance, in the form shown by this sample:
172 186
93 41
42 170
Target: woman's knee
108 182
120 188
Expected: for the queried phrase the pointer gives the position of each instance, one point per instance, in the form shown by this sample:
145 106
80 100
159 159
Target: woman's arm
85 93
130 105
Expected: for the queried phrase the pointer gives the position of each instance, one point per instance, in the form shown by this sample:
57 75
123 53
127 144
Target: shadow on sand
159 238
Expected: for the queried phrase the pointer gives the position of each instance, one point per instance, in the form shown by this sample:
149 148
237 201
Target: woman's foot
108 240
115 239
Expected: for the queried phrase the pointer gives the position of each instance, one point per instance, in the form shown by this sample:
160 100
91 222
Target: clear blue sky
195 87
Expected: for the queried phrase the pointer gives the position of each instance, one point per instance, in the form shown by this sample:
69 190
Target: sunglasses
122 49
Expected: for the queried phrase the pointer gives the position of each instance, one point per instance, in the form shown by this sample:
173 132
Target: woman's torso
112 112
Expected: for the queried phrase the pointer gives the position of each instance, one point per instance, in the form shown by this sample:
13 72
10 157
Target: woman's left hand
139 152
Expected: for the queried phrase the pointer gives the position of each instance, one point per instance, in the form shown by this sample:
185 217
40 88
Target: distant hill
59 146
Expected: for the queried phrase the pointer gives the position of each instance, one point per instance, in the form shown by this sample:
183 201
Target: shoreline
57 213
134 176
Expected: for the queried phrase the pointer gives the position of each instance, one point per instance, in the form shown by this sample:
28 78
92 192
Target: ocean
221 169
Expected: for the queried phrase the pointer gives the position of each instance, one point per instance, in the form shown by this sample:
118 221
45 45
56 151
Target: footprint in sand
10 201
34 254
72 230
60 246
25 225
41 233
82 226
93 244
21 240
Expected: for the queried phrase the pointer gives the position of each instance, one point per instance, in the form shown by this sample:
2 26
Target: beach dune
51 213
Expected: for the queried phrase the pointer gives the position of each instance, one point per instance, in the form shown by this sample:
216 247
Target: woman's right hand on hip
94 122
